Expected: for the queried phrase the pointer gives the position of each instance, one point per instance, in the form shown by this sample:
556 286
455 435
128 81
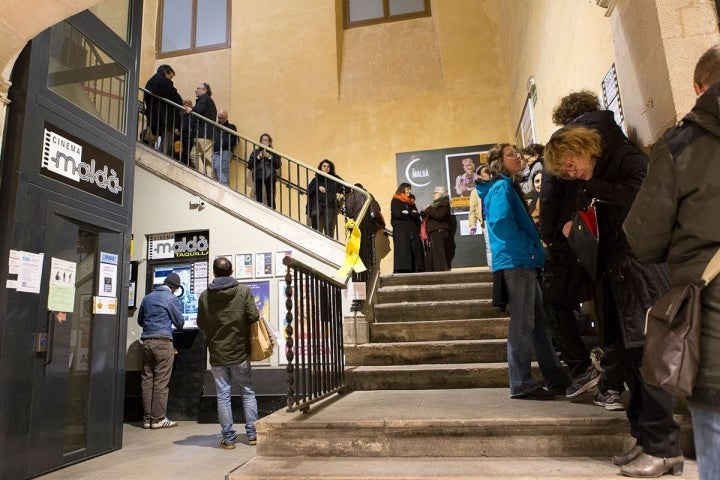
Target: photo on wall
426 169
461 179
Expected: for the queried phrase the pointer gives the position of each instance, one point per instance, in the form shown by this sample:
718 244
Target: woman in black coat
408 253
611 175
323 197
263 165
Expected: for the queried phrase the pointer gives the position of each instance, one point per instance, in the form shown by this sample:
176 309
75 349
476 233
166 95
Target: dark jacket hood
222 283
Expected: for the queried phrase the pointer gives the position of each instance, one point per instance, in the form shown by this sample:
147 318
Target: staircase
429 399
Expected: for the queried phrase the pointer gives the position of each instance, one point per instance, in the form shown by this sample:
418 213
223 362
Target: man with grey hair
440 243
676 219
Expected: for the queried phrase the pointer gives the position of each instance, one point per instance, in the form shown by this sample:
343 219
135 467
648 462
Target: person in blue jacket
158 313
518 254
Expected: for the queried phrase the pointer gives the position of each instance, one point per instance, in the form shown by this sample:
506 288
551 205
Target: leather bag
671 357
583 238
262 340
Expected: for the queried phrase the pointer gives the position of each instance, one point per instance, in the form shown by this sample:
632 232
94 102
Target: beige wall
565 44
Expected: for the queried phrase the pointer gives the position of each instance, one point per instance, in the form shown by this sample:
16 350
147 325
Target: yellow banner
352 252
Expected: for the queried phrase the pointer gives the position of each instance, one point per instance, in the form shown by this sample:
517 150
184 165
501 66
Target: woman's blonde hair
571 140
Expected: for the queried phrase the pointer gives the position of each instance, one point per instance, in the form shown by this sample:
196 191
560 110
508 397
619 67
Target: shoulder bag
262 340
671 356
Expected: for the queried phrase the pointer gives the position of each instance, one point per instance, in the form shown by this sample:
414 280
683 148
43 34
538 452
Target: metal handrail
293 178
313 336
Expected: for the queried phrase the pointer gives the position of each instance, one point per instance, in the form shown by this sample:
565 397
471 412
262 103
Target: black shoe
538 394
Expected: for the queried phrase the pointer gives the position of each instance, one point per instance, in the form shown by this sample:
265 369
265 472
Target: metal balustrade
174 133
313 336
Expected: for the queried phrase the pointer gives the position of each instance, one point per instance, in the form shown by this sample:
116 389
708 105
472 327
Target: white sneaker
164 423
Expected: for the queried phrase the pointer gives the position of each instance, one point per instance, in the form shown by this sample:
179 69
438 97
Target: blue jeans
706 430
221 165
224 376
527 331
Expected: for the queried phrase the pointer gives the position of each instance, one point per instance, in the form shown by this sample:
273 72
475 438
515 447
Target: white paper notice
107 284
30 272
62 272
14 262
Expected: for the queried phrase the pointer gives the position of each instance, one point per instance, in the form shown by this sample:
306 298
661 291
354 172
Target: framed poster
263 264
280 269
261 294
525 134
281 322
244 265
461 178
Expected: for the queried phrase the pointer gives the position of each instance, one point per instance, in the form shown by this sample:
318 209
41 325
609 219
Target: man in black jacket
163 118
223 144
201 131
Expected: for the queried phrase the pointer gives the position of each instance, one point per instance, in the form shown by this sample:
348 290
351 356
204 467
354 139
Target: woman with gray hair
441 247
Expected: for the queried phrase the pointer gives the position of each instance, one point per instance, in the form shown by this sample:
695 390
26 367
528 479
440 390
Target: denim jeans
221 165
527 331
240 375
706 430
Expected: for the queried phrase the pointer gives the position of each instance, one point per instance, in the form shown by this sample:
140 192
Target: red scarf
405 198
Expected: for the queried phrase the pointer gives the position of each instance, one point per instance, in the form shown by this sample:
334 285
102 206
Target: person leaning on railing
162 117
202 132
323 196
263 165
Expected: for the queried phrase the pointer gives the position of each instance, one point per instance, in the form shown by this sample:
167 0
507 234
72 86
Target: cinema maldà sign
74 162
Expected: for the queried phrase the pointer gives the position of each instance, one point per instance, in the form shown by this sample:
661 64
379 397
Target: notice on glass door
29 271
61 291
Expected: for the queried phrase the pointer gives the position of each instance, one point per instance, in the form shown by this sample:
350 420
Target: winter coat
263 168
514 241
161 114
634 285
205 107
675 218
408 253
222 140
327 200
225 311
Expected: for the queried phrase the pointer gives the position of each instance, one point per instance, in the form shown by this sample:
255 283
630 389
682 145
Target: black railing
186 137
314 336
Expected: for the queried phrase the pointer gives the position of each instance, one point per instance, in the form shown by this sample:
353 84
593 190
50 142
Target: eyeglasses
512 154
200 88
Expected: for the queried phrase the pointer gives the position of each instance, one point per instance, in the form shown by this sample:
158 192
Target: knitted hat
173 280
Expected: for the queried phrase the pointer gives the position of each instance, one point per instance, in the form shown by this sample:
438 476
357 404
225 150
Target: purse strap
712 269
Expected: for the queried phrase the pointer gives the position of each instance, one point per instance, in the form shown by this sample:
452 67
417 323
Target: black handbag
671 357
583 238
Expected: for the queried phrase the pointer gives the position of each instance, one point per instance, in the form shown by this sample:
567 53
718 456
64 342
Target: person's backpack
376 215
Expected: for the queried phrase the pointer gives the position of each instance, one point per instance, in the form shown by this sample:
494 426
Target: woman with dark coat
323 197
404 217
611 175
441 246
263 165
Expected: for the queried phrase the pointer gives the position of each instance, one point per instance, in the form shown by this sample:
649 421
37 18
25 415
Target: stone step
438 310
429 376
460 423
411 353
439 330
442 292
437 278
421 468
